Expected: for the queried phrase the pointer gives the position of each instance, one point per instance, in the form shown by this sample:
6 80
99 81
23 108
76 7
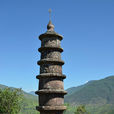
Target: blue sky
86 25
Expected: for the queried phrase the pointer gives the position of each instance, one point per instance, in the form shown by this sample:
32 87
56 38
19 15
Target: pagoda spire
49 13
50 26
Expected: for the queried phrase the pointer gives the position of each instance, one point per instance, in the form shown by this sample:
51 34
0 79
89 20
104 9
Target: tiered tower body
51 88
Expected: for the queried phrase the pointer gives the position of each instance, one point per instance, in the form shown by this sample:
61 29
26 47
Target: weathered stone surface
50 34
52 112
50 61
50 48
52 42
47 108
51 83
47 68
51 99
50 75
51 89
51 54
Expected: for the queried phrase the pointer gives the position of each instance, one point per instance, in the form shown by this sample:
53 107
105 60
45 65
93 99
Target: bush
10 101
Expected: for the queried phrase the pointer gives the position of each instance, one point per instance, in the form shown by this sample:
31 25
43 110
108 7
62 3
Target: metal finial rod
49 13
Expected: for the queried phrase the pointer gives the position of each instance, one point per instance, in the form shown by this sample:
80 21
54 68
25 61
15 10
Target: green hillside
94 92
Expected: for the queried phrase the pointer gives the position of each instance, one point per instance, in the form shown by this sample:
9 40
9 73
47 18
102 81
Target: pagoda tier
51 89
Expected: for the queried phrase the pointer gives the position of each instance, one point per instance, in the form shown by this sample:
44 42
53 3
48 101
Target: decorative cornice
50 61
50 34
51 91
50 48
50 75
44 108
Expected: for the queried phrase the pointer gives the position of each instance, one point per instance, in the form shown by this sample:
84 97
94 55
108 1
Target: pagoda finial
50 26
49 13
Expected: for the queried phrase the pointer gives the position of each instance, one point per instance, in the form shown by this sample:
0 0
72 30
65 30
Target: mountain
3 86
93 92
75 89
32 93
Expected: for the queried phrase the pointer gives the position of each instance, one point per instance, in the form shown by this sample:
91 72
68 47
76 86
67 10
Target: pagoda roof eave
50 34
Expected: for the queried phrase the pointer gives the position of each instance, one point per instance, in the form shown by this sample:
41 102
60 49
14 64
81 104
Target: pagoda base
51 112
51 109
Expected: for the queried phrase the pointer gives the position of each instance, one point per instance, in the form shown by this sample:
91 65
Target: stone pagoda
51 88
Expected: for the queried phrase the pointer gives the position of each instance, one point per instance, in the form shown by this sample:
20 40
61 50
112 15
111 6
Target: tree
81 110
10 101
